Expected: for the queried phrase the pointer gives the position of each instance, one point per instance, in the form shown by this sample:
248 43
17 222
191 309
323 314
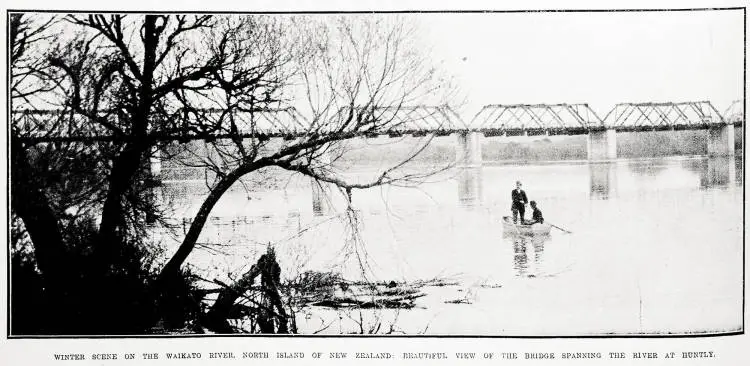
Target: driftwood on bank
261 301
330 290
269 312
379 302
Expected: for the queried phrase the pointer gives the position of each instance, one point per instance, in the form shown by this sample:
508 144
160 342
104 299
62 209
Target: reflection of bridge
492 120
606 179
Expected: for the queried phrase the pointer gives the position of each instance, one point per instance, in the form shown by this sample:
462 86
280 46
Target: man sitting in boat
536 216
519 202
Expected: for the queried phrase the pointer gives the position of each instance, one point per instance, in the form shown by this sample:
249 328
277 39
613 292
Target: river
656 246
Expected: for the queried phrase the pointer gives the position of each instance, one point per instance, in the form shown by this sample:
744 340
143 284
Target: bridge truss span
735 113
664 116
397 121
181 125
212 124
536 119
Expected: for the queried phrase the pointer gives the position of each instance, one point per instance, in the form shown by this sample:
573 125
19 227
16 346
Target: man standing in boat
519 202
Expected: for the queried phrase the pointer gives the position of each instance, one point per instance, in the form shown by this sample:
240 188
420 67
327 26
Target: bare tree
136 82
147 77
28 79
352 77
132 80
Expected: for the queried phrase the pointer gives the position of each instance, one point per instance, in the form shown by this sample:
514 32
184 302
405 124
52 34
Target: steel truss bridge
573 119
491 120
288 123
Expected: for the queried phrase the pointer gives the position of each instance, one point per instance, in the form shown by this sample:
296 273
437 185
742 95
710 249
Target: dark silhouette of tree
129 85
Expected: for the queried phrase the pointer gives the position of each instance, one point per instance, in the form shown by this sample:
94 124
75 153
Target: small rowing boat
535 229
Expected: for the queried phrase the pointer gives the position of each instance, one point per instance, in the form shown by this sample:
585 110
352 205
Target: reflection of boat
535 229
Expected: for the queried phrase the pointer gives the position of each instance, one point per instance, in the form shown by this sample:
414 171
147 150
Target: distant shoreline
499 150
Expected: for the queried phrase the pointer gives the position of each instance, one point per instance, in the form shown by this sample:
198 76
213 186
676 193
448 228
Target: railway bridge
491 121
579 119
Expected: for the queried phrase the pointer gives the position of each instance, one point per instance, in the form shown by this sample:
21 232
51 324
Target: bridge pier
721 140
469 149
154 166
602 145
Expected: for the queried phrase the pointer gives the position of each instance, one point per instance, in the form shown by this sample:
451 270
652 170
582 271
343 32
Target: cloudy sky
597 58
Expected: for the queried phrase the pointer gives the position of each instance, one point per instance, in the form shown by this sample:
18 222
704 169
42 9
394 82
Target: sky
596 58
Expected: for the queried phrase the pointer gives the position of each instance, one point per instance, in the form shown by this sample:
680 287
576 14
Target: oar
557 227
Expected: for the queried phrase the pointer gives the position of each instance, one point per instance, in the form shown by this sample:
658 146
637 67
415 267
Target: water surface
656 246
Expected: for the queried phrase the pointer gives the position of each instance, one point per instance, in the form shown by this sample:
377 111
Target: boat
535 229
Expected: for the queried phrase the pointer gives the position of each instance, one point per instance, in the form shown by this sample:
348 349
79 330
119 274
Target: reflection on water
321 198
520 259
719 172
716 172
602 180
738 169
655 244
648 168
525 246
469 186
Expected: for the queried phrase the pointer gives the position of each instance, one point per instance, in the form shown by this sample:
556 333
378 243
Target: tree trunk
128 162
268 269
172 267
111 229
32 206
270 282
216 319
